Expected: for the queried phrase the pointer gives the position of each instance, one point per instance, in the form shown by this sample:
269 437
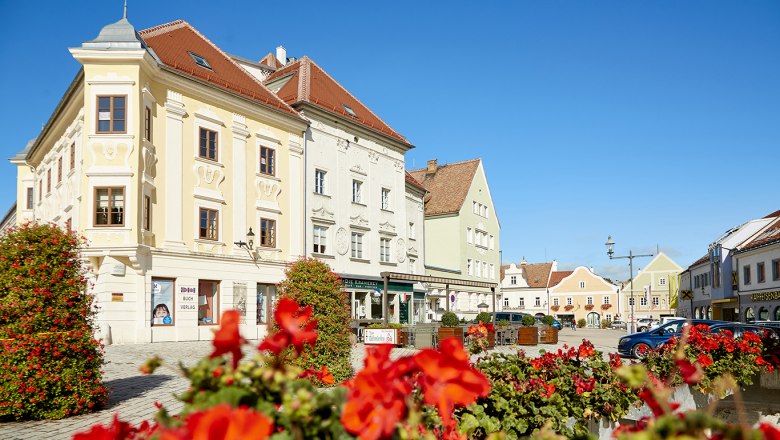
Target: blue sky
654 121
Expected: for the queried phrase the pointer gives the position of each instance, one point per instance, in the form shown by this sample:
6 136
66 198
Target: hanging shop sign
766 296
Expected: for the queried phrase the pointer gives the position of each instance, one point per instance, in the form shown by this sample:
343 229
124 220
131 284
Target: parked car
775 324
512 317
644 324
557 324
634 345
618 325
738 329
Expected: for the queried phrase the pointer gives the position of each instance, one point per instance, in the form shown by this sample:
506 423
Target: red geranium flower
223 422
227 339
691 373
296 327
704 360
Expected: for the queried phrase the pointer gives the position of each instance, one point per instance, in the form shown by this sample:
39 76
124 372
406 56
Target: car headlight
623 341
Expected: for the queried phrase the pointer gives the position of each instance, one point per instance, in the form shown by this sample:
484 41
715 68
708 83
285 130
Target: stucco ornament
400 250
342 241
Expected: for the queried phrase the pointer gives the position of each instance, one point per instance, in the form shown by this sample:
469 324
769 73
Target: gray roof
22 155
116 36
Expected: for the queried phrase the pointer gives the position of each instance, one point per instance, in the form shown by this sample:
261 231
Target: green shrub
310 282
503 322
388 325
449 319
548 320
604 323
484 317
528 320
50 363
581 323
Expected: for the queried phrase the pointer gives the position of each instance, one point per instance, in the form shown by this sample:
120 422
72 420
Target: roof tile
448 186
558 276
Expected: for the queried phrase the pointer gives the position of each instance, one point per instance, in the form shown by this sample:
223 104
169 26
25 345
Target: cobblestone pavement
132 395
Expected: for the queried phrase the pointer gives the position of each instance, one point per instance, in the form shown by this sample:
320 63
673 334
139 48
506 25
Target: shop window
266 298
162 302
208 302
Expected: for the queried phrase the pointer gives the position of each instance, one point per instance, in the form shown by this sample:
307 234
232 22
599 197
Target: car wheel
642 329
640 350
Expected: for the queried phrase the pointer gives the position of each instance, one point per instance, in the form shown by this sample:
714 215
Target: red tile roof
311 84
536 275
558 276
700 261
412 181
173 42
774 214
770 235
448 186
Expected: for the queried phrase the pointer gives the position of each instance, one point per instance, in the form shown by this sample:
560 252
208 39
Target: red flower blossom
323 375
296 328
227 339
691 373
770 431
117 430
704 360
223 422
449 379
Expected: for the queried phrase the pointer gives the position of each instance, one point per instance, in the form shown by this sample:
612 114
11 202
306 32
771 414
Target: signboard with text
380 336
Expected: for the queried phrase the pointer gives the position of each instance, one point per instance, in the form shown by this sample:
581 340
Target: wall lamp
248 244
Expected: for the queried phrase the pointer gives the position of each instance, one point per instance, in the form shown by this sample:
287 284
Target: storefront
761 306
404 305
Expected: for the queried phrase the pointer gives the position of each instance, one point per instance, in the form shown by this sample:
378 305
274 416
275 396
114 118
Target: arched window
749 316
696 313
777 314
709 312
763 314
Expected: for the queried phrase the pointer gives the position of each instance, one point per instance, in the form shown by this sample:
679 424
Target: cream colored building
581 294
524 287
163 153
654 287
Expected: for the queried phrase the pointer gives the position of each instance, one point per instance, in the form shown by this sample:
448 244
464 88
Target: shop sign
379 336
188 298
351 283
766 296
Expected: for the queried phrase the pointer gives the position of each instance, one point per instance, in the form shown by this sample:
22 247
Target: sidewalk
133 395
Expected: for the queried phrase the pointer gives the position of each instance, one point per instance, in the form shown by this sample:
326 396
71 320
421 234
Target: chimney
281 55
432 167
523 262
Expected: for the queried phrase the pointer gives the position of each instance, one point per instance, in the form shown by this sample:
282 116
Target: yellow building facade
581 294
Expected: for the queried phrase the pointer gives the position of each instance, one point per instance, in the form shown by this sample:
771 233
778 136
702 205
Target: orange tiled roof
770 235
448 186
700 261
311 84
173 42
558 276
774 214
412 181
536 275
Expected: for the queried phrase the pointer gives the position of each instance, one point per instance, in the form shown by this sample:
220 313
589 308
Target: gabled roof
701 260
448 186
412 181
306 82
558 276
173 43
770 235
774 214
537 275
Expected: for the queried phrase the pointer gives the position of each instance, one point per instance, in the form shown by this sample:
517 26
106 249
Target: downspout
305 193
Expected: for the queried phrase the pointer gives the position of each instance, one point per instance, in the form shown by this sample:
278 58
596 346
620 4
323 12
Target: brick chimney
432 167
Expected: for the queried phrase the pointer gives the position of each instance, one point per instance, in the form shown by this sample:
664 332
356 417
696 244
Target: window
522 302
470 267
492 271
40 190
349 110
209 222
267 232
760 275
478 268
476 208
320 237
147 220
111 114
582 284
48 181
148 124
385 199
411 231
655 301
662 281
537 301
208 302
412 266
568 301
356 186
266 293
484 211
513 280
484 269
776 270
109 206
746 274
609 317
384 250
199 60
606 300
73 156
696 282
268 161
162 302
469 235
492 242
30 198
506 302
643 301
357 245
590 300
555 301
631 301
59 170
208 144
319 181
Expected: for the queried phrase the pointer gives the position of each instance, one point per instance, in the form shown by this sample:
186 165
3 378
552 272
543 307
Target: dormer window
199 60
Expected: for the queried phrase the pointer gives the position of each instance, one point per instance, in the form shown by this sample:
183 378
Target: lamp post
611 252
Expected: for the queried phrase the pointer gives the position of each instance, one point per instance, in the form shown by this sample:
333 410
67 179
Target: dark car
634 345
738 329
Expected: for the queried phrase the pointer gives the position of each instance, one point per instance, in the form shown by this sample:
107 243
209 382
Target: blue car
634 345
557 324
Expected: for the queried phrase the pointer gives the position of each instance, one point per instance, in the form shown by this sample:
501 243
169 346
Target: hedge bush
449 319
51 362
310 282
484 317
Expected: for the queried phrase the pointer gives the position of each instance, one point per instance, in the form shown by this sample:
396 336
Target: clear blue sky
655 121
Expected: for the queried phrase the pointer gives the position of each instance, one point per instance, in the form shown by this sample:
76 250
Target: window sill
359 260
211 242
325 256
321 194
267 176
387 263
386 210
209 161
359 204
108 226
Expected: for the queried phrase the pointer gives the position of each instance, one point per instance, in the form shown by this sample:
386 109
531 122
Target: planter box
528 335
447 332
549 335
491 340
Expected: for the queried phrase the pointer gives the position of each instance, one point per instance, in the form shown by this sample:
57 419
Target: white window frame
384 250
662 281
605 300
492 271
319 181
589 300
513 280
320 239
412 235
582 284
469 235
506 301
356 245
470 267
478 269
555 301
357 189
522 302
385 199
568 301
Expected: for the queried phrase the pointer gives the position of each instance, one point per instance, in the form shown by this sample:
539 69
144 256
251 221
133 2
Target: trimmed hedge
51 363
310 282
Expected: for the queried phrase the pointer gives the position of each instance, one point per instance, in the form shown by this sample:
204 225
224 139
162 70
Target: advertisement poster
379 336
162 302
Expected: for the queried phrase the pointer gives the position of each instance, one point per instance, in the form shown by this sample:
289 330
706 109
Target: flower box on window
606 306
568 307
555 308
588 306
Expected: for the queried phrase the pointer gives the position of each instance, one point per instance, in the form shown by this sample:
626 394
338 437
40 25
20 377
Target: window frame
172 313
384 250
72 156
776 269
146 216
214 301
269 296
110 207
201 130
48 181
470 267
147 123
589 300
319 181
323 237
357 188
384 199
269 155
356 245
760 273
59 169
512 280
30 197
112 120
201 235
267 237
746 275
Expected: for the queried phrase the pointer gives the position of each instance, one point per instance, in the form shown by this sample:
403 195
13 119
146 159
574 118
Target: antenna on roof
125 14
657 251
